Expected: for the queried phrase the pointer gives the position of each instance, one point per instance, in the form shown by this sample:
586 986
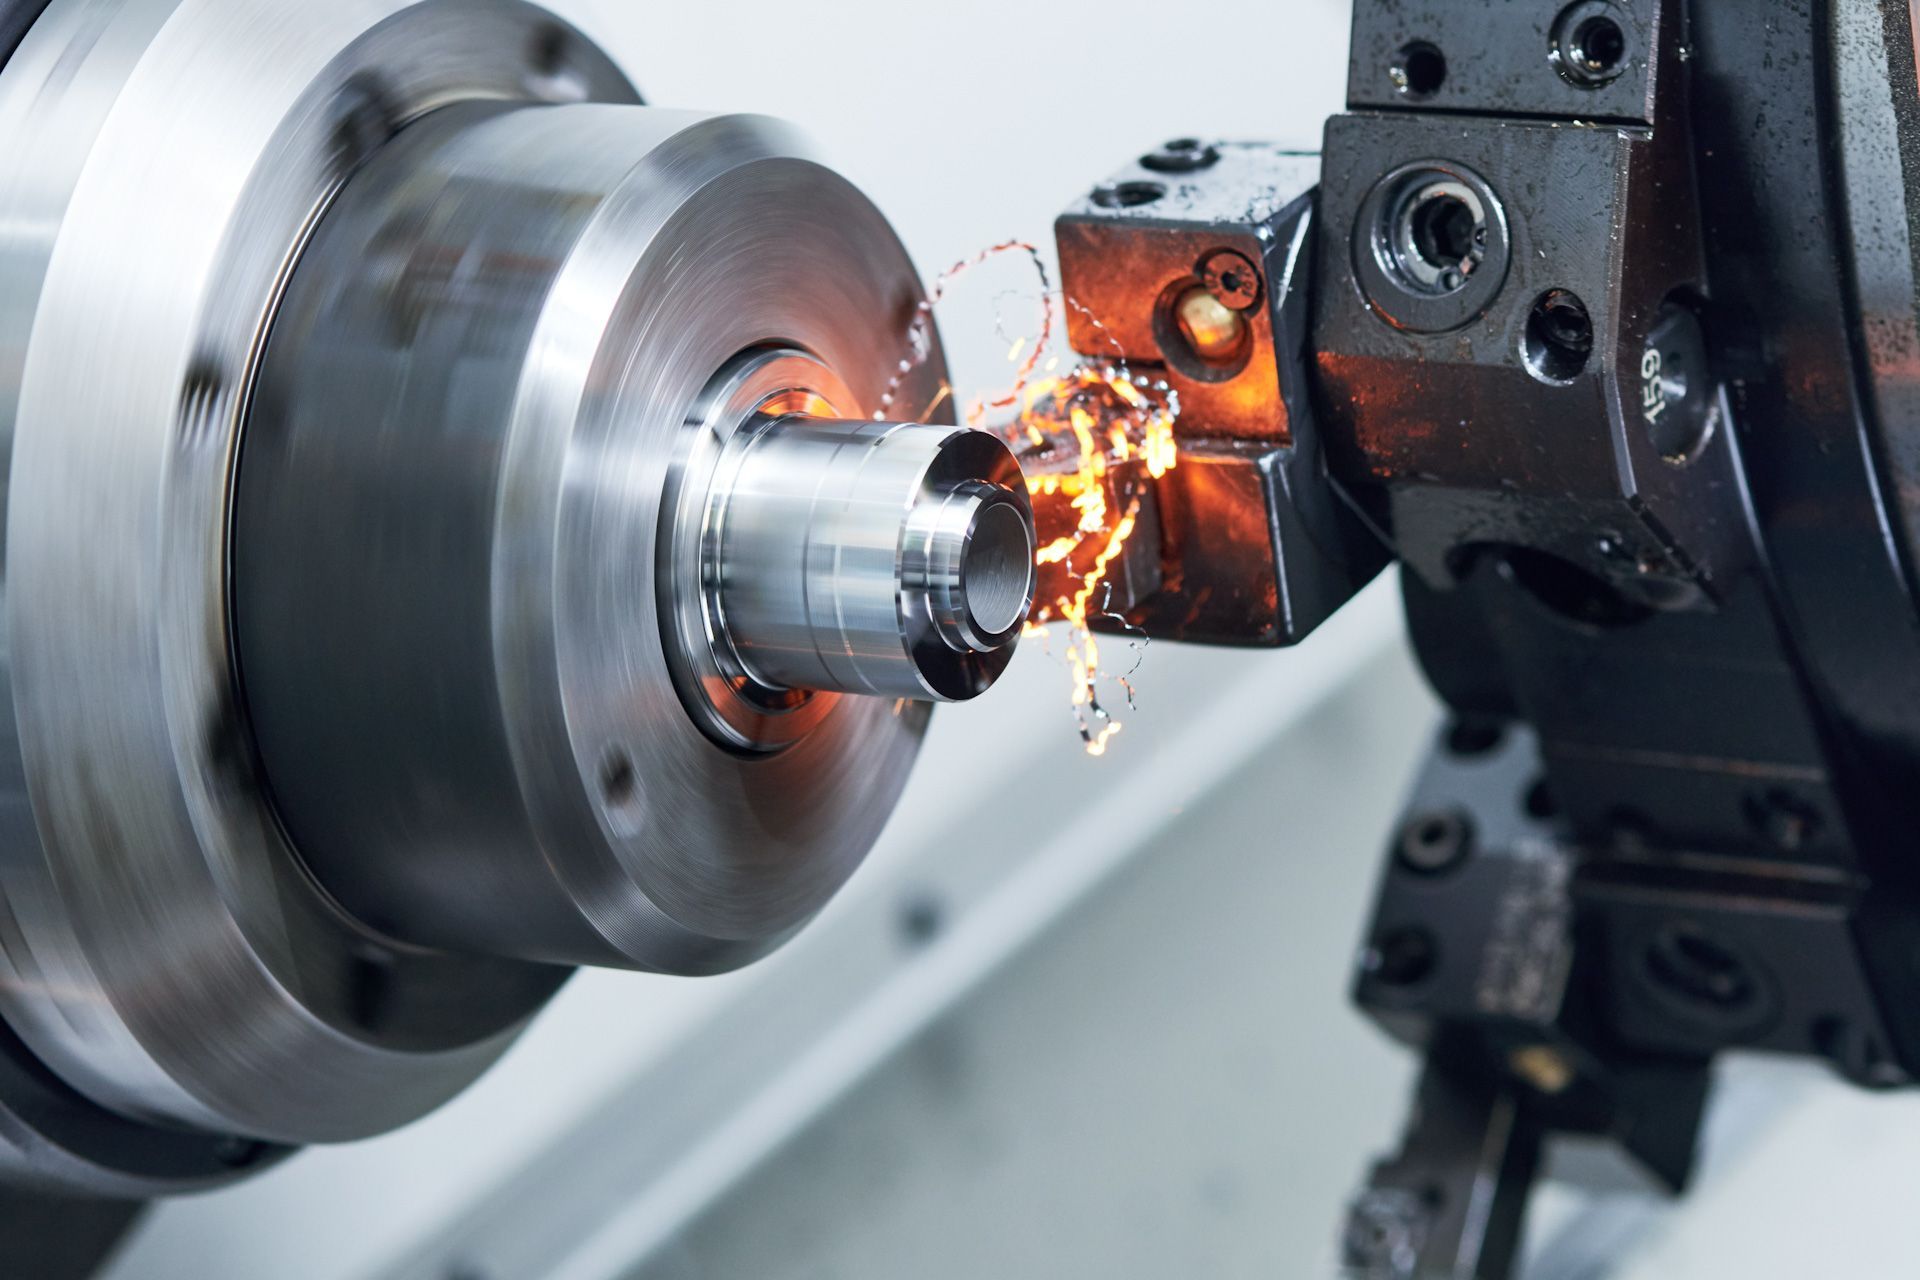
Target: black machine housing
1601 321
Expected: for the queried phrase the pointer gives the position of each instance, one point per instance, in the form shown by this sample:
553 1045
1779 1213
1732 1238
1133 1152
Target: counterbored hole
1435 842
1590 48
1418 70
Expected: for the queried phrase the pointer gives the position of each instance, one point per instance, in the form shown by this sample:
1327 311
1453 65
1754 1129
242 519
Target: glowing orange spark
1098 416
1078 425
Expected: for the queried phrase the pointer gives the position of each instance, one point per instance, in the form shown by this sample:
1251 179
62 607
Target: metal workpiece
881 558
469 492
164 954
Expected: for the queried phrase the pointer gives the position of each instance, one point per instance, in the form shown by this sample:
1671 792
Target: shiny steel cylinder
883 558
532 363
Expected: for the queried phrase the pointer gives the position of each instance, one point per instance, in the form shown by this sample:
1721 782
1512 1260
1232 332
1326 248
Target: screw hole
1433 843
1474 737
550 51
1687 963
923 918
238 1153
1403 956
1127 195
364 119
1559 337
554 74
1181 155
1418 70
1590 47
617 781
1600 46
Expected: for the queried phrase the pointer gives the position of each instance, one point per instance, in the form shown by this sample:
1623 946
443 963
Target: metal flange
163 950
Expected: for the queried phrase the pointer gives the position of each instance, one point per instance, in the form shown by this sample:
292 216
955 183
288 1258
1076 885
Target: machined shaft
879 558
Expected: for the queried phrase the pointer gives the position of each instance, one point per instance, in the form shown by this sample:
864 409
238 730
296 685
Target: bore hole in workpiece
1418 70
1558 338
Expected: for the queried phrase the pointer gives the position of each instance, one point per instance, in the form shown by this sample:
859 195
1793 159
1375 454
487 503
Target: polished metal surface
162 949
522 355
879 558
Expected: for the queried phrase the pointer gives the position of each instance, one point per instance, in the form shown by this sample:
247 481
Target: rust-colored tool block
1250 543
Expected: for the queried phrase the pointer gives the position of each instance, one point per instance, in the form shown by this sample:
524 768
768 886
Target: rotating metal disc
163 950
